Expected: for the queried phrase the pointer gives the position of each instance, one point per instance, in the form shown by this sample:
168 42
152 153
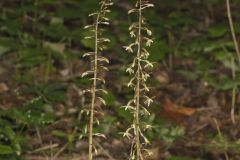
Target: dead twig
229 14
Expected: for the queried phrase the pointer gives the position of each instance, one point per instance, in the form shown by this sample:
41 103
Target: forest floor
202 112
192 118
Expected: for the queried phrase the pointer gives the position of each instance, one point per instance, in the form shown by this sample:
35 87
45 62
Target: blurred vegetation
43 37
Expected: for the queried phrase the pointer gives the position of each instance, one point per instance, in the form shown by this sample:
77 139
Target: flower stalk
137 68
97 65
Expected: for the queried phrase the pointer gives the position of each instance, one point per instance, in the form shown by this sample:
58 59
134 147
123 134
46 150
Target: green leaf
5 149
3 50
109 98
179 158
125 114
30 57
55 92
158 51
59 133
217 31
48 108
13 26
88 43
108 123
70 12
8 131
57 31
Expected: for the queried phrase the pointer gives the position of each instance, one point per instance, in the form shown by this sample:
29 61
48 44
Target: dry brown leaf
162 77
58 47
176 113
155 154
3 87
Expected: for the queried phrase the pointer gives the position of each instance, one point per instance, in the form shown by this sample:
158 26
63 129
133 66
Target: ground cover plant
74 86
